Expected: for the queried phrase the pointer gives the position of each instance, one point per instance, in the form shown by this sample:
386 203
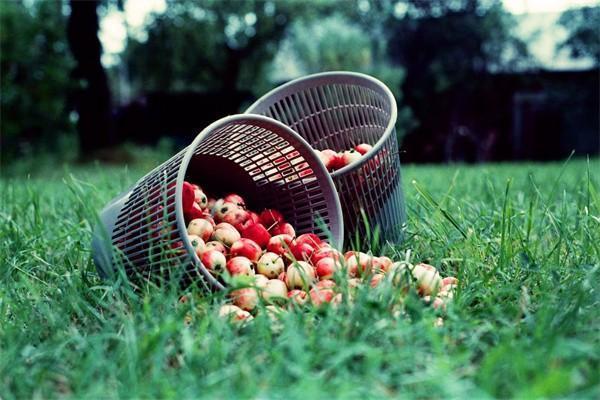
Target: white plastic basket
144 231
338 110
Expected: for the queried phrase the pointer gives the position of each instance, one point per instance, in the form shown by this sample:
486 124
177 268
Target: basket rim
341 75
189 152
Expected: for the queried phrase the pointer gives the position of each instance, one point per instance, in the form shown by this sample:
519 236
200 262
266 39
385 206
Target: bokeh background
475 80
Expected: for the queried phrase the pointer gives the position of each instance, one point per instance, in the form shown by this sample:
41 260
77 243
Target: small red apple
258 233
384 263
235 199
234 314
327 157
297 296
359 264
350 156
198 244
200 227
326 268
321 296
274 289
270 218
363 148
213 261
199 197
311 239
217 246
270 265
187 196
325 284
376 279
246 248
222 208
325 252
283 229
235 217
299 275
240 266
428 279
302 251
226 234
245 298
279 244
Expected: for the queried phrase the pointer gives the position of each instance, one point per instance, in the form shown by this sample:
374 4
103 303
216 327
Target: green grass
524 240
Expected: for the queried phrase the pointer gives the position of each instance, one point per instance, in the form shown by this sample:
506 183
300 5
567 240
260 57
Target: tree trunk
92 97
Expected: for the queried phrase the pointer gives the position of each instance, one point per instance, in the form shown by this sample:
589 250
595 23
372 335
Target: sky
113 30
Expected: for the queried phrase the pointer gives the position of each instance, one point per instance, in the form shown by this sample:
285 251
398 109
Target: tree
210 45
584 32
92 98
34 64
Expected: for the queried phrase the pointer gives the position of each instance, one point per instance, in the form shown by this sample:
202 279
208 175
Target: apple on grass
234 314
359 264
270 265
245 298
299 275
274 291
280 244
427 277
321 296
297 296
326 268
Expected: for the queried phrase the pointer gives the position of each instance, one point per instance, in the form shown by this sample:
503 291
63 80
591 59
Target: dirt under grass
524 240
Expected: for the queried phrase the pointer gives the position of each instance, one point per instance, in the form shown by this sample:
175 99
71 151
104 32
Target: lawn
524 240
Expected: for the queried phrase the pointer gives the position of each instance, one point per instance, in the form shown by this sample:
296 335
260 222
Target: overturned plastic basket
338 110
143 229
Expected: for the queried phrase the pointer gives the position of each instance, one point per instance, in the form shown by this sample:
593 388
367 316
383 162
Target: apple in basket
350 156
222 208
218 246
226 234
246 248
258 233
236 217
235 199
270 218
283 229
213 261
363 148
240 265
200 227
199 197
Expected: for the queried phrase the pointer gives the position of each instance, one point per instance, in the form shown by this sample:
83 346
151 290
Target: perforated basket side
339 110
255 156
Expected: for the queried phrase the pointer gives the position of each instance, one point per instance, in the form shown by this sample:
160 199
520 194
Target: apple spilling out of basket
316 158
260 250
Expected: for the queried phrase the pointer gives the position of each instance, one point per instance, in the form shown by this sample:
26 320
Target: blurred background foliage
467 86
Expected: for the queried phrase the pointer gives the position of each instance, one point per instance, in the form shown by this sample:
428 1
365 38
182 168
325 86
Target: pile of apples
264 260
336 160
